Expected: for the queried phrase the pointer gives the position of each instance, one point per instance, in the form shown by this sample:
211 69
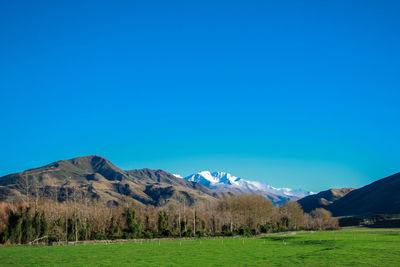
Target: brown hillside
94 177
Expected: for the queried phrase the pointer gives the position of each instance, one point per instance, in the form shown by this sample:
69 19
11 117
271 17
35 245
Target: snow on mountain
177 175
224 181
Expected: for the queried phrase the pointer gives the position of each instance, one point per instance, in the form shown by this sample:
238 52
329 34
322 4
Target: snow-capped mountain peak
211 179
224 181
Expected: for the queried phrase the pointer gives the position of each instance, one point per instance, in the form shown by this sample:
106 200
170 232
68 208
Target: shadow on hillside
278 238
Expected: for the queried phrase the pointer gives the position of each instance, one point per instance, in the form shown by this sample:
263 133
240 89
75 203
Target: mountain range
226 182
96 178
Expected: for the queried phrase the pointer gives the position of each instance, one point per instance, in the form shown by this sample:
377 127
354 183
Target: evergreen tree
113 228
36 224
44 226
134 229
71 229
13 233
163 224
27 229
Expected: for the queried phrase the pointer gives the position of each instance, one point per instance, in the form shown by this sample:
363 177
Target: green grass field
348 247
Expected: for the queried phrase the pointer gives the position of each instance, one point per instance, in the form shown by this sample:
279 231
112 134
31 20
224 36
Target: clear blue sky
301 94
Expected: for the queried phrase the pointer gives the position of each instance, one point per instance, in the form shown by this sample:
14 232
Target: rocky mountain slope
94 177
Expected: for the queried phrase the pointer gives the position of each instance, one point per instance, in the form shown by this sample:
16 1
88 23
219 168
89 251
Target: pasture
347 247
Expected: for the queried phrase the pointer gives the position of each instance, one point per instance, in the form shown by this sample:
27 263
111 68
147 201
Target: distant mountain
226 182
380 197
323 199
94 177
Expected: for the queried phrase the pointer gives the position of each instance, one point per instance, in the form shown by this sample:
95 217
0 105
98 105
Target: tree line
45 220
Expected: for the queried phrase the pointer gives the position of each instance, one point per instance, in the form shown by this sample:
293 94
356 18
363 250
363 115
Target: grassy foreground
348 247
